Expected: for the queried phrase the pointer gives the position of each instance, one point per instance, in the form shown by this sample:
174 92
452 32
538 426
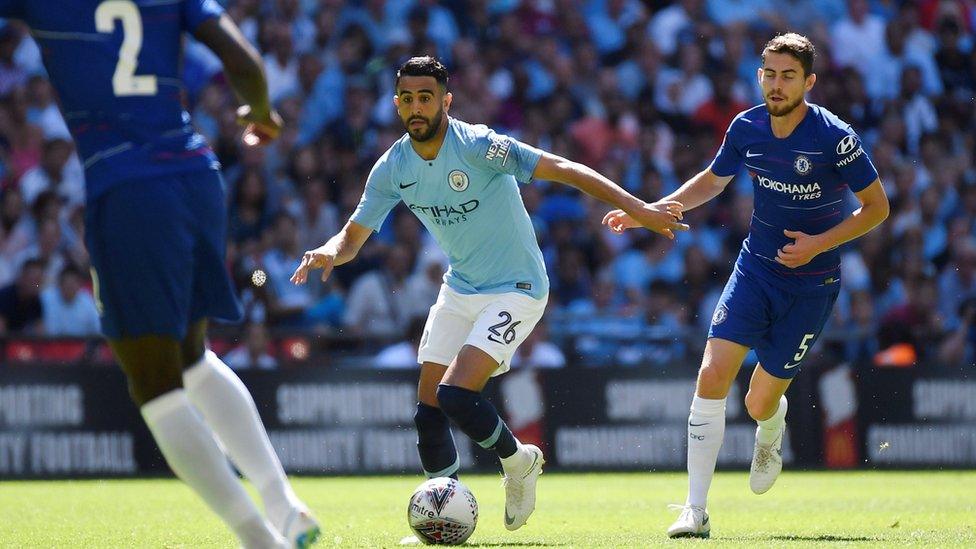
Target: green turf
880 509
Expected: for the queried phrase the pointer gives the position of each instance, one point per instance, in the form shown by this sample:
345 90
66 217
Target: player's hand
260 128
660 217
803 249
318 258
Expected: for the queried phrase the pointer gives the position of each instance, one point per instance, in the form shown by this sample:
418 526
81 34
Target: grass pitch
821 509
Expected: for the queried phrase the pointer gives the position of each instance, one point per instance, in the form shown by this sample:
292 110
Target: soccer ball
442 511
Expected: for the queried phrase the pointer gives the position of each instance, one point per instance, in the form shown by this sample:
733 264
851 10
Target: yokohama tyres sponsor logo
788 188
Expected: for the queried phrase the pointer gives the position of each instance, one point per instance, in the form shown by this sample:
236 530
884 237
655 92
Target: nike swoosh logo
509 520
402 186
790 366
751 154
535 459
696 424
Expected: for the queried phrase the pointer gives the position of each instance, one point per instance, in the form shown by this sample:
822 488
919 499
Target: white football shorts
495 323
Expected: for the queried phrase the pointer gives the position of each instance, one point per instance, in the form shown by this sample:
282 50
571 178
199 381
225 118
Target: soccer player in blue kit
155 229
802 160
461 181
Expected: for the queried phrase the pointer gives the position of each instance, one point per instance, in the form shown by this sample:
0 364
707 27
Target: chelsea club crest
802 165
458 180
721 313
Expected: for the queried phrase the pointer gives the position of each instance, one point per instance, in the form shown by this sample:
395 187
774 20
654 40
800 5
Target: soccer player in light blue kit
461 181
156 230
804 162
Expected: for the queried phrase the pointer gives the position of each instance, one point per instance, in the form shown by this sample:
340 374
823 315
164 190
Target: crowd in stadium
641 91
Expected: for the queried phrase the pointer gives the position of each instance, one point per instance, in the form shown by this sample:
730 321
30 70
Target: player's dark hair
423 66
796 45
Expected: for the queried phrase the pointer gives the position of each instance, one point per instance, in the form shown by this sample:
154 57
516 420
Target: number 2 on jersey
124 81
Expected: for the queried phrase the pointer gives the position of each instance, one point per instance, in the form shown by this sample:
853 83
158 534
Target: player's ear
448 97
396 101
759 73
811 80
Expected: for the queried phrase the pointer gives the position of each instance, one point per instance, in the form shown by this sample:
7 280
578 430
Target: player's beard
782 109
432 125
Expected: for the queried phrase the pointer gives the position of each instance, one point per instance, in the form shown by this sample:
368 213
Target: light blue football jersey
468 198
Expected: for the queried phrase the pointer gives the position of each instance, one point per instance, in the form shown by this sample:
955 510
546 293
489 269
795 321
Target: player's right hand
260 128
314 259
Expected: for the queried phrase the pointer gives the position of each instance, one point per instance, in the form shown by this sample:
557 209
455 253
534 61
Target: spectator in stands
425 283
250 208
958 279
253 352
537 351
68 309
959 347
48 250
55 174
403 354
43 110
377 305
20 302
287 303
12 76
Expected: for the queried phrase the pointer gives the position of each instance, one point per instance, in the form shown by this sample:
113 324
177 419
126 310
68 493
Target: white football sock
769 428
229 409
192 453
706 429
517 462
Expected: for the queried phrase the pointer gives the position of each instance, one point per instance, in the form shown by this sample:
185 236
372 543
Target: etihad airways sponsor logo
798 191
447 214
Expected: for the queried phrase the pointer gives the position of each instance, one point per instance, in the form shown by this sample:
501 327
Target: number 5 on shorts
803 348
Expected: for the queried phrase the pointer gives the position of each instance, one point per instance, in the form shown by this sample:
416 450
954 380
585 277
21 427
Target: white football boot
691 523
300 528
767 462
520 488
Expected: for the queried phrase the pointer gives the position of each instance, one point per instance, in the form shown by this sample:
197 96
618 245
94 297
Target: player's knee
713 382
456 401
759 406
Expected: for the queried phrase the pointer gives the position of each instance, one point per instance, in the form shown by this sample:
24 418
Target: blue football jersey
800 183
115 65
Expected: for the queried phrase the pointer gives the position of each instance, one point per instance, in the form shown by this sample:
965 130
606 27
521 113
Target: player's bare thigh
720 364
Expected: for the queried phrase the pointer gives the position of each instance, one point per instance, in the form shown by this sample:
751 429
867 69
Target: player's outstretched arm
245 72
874 209
661 217
701 188
341 248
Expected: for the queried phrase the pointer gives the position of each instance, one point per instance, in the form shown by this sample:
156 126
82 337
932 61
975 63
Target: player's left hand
803 249
259 128
660 217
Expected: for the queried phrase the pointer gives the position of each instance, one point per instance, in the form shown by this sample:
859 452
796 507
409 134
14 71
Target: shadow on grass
824 537
517 544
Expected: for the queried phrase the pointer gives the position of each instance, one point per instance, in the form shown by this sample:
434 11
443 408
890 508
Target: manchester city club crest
458 180
721 313
802 165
